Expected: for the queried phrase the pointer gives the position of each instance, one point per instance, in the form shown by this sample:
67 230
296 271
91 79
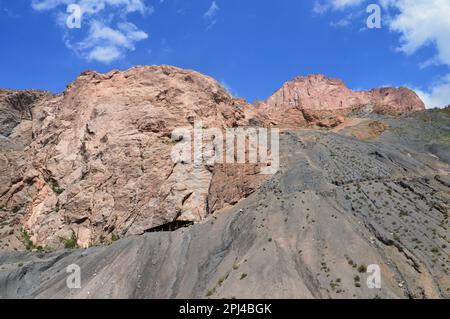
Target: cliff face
316 99
94 163
15 107
99 162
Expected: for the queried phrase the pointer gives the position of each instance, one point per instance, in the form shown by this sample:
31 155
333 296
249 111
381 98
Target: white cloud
322 6
422 23
104 54
104 44
109 35
340 4
212 11
438 95
94 6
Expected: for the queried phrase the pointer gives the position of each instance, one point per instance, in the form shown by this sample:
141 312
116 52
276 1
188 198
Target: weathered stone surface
100 160
15 107
316 99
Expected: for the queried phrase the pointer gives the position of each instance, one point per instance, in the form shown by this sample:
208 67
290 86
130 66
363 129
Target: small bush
362 268
115 237
71 243
222 279
26 239
54 186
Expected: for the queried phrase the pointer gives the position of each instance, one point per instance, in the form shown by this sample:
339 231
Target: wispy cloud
212 11
9 13
210 15
107 33
322 6
340 4
347 21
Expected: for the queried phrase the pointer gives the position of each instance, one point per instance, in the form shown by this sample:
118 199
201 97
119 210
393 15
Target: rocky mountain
95 161
323 101
93 164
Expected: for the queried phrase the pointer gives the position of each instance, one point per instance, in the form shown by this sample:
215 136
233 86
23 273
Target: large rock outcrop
94 162
316 99
99 163
338 210
15 107
15 136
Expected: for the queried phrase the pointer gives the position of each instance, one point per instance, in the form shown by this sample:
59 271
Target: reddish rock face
95 161
319 100
98 158
394 101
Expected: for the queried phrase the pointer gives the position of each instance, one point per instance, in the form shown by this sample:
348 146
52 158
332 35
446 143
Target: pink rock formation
316 99
99 163
95 161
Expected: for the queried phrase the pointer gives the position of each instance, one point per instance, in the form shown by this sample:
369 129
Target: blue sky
251 46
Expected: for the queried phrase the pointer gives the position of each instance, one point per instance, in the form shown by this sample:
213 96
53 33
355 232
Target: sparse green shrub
71 243
26 239
53 183
115 237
